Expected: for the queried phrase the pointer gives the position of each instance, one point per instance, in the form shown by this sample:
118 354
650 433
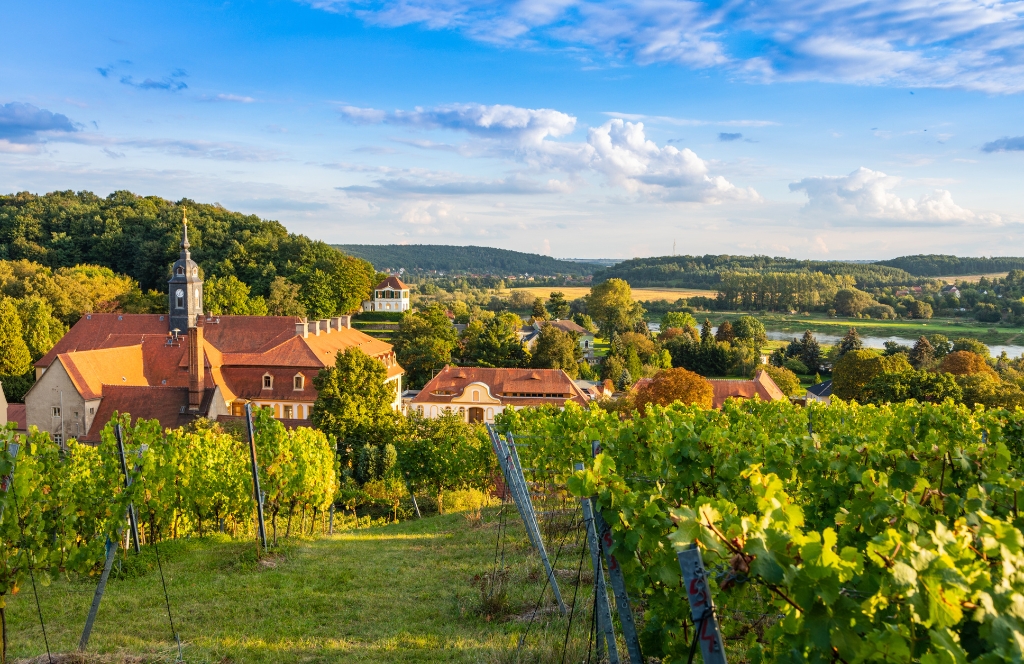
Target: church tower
185 293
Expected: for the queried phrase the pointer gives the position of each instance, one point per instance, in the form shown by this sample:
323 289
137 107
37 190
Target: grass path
398 593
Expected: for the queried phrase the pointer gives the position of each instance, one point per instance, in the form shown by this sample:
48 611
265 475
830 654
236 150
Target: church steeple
184 235
185 292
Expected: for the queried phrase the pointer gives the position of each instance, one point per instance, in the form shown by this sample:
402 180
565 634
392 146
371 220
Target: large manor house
185 364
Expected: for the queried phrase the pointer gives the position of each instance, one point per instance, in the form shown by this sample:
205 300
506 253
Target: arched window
462 412
433 411
476 395
490 414
268 381
300 381
180 271
419 410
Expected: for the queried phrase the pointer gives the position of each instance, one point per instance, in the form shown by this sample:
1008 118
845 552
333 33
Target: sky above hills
842 129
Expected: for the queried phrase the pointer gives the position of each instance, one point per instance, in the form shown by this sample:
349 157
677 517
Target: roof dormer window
268 381
300 381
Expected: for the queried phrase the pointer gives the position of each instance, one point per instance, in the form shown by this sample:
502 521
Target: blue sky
847 129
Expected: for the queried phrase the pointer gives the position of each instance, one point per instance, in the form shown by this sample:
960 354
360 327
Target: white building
389 295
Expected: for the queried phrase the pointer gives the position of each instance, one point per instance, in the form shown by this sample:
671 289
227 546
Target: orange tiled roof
505 384
391 282
566 326
761 386
133 349
165 404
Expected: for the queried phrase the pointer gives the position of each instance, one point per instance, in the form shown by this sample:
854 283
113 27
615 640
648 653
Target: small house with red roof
389 295
185 364
478 394
760 387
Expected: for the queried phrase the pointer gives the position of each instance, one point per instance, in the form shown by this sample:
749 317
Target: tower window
180 271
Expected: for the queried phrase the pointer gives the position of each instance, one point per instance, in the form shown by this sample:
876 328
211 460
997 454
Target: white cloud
617 149
974 44
426 212
865 193
526 126
624 154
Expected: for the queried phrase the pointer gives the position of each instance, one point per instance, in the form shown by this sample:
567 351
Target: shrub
467 500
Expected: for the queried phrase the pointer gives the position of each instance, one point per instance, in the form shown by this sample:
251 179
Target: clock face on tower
180 293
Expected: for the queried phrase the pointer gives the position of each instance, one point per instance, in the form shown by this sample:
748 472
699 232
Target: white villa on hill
389 295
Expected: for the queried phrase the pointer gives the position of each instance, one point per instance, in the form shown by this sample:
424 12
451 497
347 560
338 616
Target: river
879 342
868 342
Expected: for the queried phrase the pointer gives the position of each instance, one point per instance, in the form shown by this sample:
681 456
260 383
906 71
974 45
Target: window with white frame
268 381
299 381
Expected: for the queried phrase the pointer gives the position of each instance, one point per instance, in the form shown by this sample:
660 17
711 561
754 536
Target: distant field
639 294
973 278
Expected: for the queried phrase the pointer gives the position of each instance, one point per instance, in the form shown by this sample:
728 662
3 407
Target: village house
185 364
389 295
479 394
528 334
821 392
761 386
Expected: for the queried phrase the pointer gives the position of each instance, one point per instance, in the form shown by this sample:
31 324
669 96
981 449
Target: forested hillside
472 260
707 271
940 265
65 254
139 236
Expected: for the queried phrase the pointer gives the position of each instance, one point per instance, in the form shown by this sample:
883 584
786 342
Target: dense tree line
941 265
139 236
474 260
708 271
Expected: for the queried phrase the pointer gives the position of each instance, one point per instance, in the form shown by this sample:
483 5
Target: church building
184 364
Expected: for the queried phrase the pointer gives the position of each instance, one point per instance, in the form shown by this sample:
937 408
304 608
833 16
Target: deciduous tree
671 385
353 402
556 349
15 358
424 344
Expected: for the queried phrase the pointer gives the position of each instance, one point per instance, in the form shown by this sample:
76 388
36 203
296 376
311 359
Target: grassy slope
397 593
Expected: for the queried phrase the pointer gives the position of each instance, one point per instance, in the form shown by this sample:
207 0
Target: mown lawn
407 592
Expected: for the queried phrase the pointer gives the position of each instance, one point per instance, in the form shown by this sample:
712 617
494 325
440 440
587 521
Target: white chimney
300 329
314 327
325 325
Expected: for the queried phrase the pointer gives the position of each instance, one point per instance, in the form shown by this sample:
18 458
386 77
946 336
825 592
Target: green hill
463 259
706 271
940 265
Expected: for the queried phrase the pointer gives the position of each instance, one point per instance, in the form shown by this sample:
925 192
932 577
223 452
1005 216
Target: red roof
393 283
16 413
169 405
566 326
517 387
133 349
762 386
